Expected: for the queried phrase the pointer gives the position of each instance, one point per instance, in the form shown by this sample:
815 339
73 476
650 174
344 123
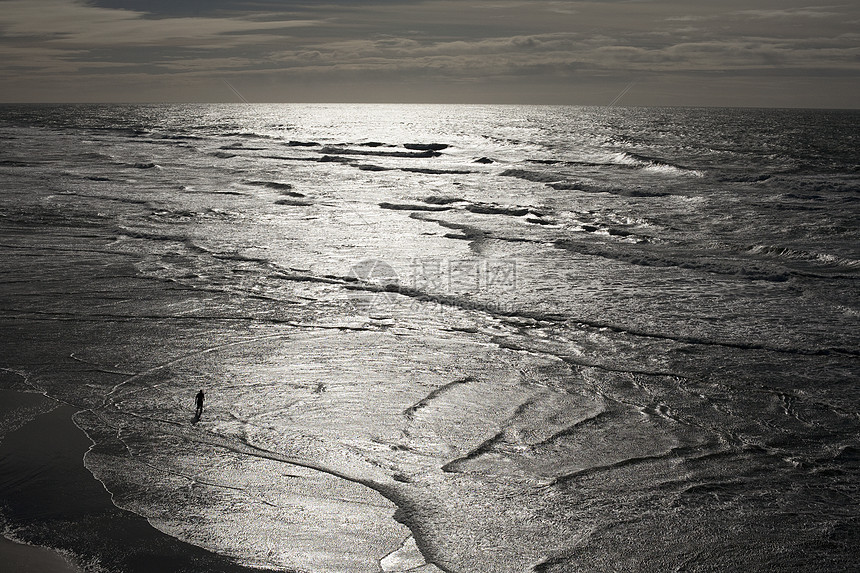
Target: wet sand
44 484
20 558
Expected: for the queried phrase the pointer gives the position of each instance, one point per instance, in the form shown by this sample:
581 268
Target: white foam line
109 396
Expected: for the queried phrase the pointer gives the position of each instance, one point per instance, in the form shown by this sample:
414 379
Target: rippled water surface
456 338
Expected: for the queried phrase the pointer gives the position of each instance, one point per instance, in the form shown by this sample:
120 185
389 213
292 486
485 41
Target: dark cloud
188 8
540 51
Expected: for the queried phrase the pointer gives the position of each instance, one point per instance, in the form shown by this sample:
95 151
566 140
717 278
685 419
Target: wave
561 183
636 160
624 159
790 254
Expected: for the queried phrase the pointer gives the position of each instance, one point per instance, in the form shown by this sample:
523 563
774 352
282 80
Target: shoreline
54 506
23 558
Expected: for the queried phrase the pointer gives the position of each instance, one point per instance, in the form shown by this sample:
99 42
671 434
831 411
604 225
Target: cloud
74 24
807 12
550 42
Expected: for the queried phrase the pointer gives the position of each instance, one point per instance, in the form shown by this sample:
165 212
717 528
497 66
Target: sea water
456 338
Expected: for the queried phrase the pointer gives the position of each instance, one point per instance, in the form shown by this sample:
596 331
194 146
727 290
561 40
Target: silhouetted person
199 401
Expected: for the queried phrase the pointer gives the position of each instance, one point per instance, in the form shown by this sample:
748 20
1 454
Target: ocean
437 337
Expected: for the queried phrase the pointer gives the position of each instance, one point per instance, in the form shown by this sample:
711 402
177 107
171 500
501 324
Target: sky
748 53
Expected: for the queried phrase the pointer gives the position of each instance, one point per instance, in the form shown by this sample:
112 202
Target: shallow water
461 338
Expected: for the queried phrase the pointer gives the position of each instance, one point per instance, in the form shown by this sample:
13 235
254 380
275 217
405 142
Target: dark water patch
426 146
442 200
223 155
409 413
293 143
241 147
294 202
47 217
95 157
535 221
333 159
849 456
168 142
493 209
429 171
413 207
142 165
723 489
618 232
535 176
246 135
18 163
644 193
569 479
303 277
486 447
97 178
323 159
593 187
126 232
211 192
371 167
800 197
404 154
276 185
494 308
467 232
240 258
484 160
180 137
597 420
187 214
751 178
